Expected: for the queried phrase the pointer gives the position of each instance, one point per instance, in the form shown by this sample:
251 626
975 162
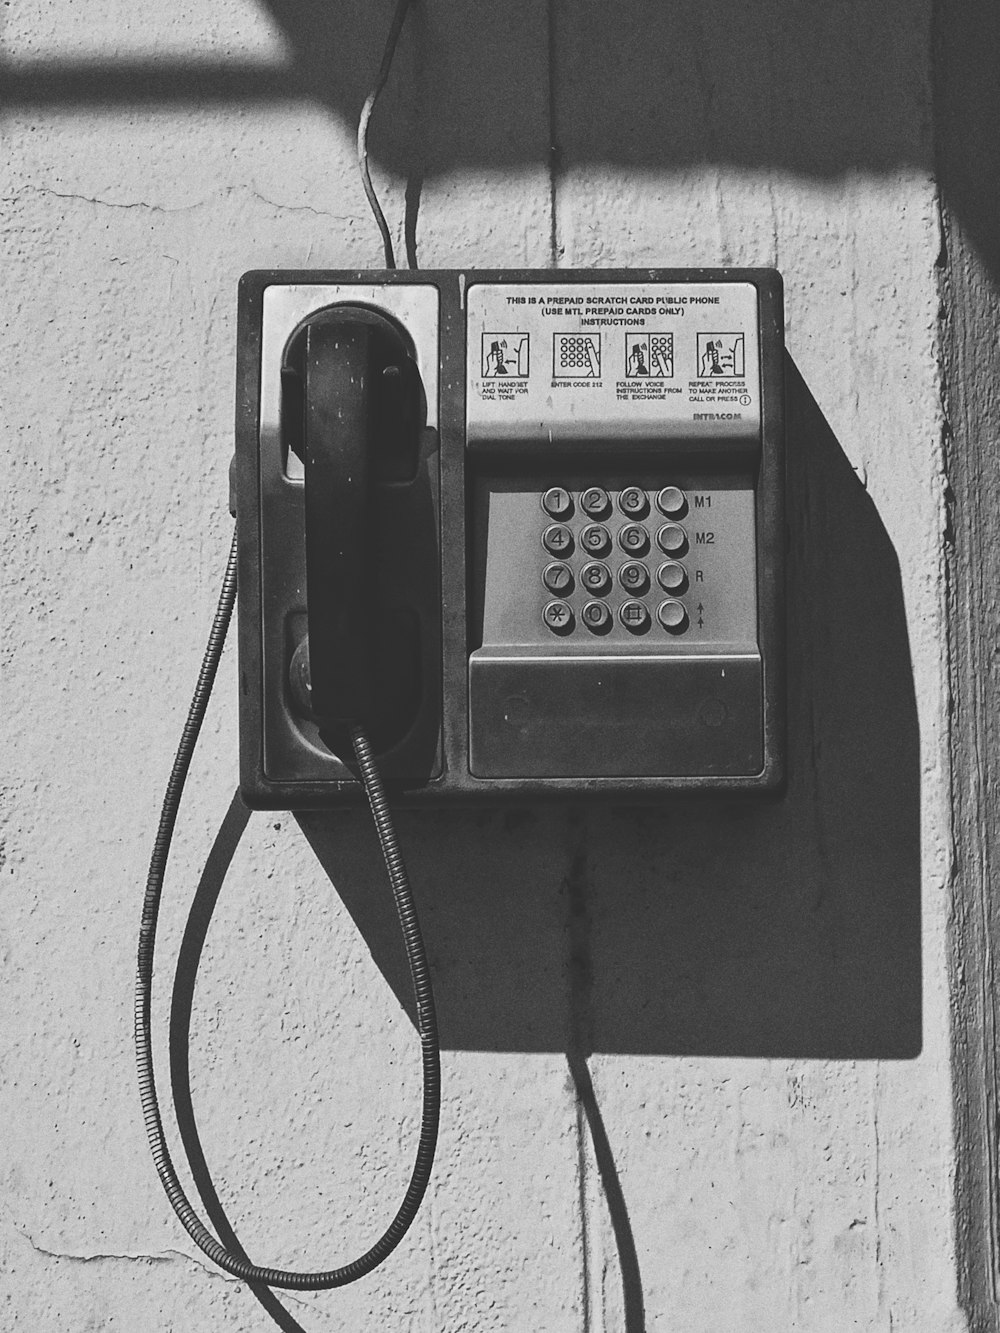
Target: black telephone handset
351 413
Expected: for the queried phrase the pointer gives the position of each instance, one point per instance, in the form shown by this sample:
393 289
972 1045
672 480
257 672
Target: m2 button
558 617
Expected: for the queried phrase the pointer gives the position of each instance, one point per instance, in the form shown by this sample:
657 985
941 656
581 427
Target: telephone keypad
633 576
597 617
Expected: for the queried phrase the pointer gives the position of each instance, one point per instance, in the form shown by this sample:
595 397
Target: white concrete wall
761 987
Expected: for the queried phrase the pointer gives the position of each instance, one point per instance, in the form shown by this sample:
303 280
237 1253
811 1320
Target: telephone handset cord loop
419 973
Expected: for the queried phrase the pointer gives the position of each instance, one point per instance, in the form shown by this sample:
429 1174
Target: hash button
634 616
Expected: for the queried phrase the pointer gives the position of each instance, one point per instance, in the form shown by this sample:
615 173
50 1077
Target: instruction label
608 360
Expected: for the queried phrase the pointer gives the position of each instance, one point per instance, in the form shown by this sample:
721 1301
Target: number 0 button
596 617
557 539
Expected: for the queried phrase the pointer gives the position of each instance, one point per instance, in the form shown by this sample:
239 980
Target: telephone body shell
502 707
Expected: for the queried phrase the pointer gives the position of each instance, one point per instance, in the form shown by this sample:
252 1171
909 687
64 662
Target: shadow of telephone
526 527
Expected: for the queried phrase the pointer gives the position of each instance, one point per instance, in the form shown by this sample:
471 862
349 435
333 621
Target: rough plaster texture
698 1064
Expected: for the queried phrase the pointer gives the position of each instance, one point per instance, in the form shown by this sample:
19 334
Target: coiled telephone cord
419 974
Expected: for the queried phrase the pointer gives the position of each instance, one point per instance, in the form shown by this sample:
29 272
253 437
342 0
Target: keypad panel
621 574
689 559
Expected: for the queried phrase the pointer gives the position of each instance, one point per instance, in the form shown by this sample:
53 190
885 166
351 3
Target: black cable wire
419 972
366 114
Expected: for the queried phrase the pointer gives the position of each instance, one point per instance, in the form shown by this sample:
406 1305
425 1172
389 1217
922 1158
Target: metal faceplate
598 521
618 631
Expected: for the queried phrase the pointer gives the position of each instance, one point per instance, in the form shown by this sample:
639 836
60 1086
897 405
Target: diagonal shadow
786 927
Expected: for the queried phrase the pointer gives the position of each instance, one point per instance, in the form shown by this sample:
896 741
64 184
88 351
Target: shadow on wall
816 88
786 927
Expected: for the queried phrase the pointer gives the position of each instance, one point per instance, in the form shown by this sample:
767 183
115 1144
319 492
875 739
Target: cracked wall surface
696 1061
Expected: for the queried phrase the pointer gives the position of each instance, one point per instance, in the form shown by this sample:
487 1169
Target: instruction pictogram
649 355
720 356
576 356
505 354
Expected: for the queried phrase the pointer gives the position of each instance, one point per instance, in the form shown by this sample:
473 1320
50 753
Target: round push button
597 617
558 578
634 577
558 617
595 539
595 501
633 539
596 578
634 616
633 502
557 539
672 577
672 501
672 538
557 502
672 616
